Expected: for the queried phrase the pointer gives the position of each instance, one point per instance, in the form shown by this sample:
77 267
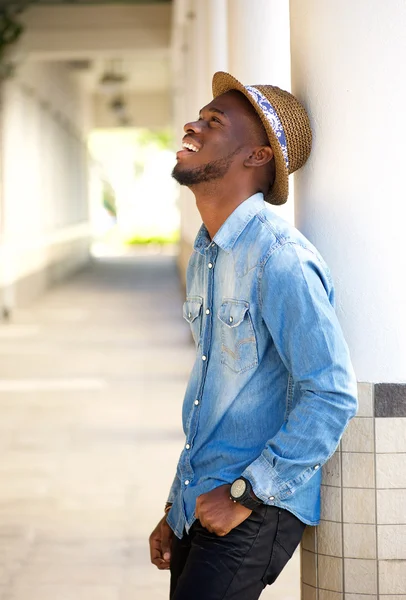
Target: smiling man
272 388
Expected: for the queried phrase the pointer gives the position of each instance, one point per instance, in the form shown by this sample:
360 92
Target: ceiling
56 2
95 39
17 5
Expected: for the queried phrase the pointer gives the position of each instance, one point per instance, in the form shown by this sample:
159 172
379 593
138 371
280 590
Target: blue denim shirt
272 388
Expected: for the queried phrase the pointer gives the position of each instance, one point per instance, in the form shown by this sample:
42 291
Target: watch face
238 488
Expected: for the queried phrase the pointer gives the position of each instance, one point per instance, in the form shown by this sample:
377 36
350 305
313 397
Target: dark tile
390 400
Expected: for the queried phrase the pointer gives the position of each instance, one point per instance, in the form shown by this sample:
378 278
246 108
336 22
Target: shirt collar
232 227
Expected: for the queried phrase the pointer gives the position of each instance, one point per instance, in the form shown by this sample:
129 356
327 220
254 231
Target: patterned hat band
272 117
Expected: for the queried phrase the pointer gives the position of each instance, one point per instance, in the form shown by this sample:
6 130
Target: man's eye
216 120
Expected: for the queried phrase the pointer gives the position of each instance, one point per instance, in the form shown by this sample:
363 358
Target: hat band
272 117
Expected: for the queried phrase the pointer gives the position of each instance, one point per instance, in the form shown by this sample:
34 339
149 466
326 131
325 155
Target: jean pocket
192 310
238 342
289 532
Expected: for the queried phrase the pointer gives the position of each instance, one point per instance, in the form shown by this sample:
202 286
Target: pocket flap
192 308
232 312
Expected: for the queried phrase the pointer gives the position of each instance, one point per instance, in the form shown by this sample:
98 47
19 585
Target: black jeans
239 565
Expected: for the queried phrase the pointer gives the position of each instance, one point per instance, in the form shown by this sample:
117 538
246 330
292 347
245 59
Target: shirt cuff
265 482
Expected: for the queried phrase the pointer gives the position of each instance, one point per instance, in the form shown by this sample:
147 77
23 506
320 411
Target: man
272 388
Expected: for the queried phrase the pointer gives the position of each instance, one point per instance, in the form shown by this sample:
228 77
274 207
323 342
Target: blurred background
94 240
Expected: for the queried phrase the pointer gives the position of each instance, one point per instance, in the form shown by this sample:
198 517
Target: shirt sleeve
296 298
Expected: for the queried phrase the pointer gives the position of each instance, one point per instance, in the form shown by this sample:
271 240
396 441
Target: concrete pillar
217 38
350 201
199 49
259 52
259 41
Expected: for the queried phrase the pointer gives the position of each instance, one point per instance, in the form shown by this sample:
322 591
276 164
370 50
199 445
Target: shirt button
210 265
187 482
196 402
187 446
204 357
316 467
231 319
207 311
271 497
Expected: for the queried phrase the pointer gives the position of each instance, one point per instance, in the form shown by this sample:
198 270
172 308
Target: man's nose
193 126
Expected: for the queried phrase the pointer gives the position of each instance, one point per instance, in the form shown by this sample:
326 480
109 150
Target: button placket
187 471
208 310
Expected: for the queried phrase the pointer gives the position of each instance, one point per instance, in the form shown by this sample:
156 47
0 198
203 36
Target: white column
259 52
259 41
185 107
350 201
199 48
217 38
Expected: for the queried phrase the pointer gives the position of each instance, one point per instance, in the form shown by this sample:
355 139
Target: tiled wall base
358 552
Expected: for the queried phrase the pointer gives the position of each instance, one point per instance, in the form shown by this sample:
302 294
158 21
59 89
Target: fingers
159 545
166 542
156 555
155 548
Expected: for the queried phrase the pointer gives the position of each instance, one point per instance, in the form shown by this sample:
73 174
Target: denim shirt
272 388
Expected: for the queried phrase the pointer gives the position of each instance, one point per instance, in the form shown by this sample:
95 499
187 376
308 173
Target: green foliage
10 31
163 138
170 238
109 199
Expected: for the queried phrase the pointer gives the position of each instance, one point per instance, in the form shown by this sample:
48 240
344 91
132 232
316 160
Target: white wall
351 199
44 166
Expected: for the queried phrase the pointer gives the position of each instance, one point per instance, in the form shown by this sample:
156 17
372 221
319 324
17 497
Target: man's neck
215 206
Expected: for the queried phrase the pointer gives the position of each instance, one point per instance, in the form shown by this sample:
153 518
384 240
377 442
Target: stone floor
91 383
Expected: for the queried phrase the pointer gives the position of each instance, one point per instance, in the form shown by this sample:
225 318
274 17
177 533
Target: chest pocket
192 312
238 343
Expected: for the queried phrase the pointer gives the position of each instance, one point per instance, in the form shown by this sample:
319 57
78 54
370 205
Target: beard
211 171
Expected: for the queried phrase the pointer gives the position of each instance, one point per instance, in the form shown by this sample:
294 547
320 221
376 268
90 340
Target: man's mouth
190 147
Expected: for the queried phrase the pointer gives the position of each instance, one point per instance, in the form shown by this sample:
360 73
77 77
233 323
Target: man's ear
259 156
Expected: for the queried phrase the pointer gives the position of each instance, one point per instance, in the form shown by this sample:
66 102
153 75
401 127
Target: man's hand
217 513
160 545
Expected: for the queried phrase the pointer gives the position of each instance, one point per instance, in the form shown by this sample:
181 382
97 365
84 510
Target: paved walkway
91 383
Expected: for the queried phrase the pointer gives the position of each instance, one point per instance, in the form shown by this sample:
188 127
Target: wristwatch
241 491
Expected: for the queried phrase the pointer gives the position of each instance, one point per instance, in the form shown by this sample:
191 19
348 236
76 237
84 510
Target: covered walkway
92 378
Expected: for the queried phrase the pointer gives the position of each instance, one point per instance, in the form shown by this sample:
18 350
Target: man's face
214 143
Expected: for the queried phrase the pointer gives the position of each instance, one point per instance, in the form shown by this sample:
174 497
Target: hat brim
278 194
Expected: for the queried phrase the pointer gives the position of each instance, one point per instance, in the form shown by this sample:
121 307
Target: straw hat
286 123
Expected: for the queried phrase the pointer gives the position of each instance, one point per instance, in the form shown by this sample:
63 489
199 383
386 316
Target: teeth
190 147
